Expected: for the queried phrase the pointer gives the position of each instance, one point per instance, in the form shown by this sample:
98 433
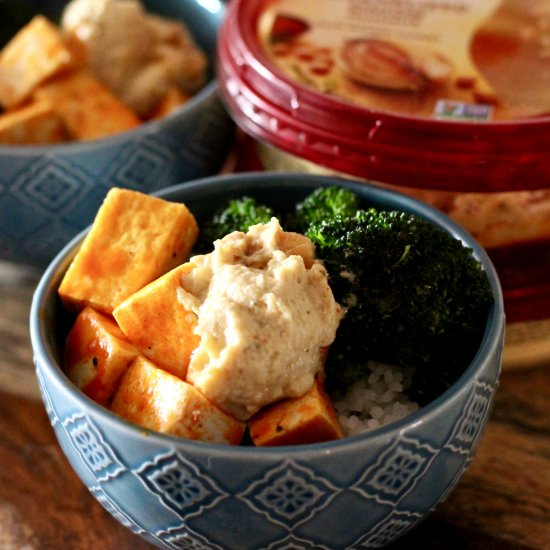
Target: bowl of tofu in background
359 491
112 94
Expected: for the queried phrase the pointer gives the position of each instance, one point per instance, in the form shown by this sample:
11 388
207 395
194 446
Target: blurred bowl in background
359 492
50 193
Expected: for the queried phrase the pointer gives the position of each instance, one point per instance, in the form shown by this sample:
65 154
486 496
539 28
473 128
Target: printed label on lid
456 59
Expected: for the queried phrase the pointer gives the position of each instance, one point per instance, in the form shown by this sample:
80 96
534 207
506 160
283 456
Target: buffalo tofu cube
34 54
173 99
135 238
306 419
36 123
154 399
97 355
159 324
87 107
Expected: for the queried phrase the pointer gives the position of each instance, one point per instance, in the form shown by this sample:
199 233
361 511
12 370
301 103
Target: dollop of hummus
265 310
138 55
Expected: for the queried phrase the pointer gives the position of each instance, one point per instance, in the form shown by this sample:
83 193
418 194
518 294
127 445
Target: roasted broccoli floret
323 203
415 296
238 215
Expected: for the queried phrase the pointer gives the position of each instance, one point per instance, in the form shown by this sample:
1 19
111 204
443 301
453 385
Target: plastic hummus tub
447 100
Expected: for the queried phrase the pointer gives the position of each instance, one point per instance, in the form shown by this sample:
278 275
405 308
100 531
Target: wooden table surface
502 502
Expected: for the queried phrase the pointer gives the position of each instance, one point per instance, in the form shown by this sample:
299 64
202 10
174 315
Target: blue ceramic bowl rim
149 127
489 347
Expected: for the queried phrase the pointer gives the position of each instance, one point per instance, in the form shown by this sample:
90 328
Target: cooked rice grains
375 400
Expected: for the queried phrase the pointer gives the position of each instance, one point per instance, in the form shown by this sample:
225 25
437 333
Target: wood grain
16 372
506 493
502 503
43 504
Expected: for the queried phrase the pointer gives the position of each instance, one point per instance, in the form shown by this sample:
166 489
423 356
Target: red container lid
375 144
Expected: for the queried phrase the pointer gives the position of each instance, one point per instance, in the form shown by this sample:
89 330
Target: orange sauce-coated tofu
155 399
172 100
158 324
97 355
36 53
135 239
88 109
36 123
307 419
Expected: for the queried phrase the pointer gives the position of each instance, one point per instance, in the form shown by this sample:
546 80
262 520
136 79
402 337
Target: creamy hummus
265 310
139 56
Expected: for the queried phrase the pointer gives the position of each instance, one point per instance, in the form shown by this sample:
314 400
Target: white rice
376 400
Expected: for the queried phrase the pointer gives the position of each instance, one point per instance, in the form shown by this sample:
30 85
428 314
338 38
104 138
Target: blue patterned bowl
360 492
50 193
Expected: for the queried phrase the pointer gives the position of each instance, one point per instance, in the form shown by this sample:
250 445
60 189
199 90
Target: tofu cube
37 52
135 238
299 245
307 419
36 123
97 355
158 324
88 108
171 101
155 399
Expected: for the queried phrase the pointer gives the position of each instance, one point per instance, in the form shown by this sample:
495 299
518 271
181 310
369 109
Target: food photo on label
386 61
271 326
382 64
470 52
